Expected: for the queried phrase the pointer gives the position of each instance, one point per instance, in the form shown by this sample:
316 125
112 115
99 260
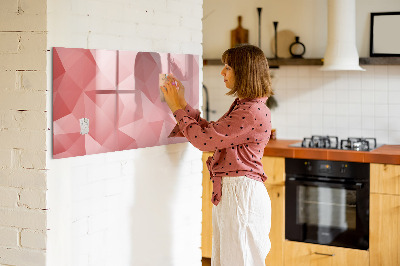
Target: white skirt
241 223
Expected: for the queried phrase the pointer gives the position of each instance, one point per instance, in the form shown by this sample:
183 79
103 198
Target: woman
242 208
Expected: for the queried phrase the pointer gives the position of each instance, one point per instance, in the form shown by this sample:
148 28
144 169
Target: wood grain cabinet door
206 225
274 168
277 233
385 178
384 236
304 254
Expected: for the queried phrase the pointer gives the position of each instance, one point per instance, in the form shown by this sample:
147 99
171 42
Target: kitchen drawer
305 254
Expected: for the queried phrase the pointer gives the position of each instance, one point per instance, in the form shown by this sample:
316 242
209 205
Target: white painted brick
197 166
25 139
80 227
23 218
7 80
9 42
96 173
33 199
24 119
179 7
31 56
23 178
33 7
190 48
114 186
8 197
22 22
167 19
17 256
33 159
31 80
148 6
23 100
196 10
191 23
5 159
9 237
153 32
8 6
108 41
98 222
33 239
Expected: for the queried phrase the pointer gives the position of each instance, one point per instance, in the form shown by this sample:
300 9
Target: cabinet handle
324 254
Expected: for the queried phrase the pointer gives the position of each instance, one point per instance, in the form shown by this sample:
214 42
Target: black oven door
327 212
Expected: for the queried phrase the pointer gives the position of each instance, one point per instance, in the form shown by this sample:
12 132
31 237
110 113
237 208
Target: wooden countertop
389 154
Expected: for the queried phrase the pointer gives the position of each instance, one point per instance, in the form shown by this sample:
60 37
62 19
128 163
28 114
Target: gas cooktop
332 142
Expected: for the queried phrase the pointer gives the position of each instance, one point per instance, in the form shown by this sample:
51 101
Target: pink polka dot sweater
238 139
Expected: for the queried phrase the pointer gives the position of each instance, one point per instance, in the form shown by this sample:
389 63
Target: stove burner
358 144
328 142
332 142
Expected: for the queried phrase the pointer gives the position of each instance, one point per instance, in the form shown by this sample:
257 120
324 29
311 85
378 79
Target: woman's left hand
171 95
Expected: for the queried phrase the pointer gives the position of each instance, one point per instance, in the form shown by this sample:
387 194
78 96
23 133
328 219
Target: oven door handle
357 185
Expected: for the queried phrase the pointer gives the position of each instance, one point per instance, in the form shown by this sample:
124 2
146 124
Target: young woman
242 209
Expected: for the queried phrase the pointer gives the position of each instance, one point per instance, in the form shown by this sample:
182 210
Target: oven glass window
327 207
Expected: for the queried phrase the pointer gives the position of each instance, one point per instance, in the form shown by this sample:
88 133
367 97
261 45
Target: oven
327 202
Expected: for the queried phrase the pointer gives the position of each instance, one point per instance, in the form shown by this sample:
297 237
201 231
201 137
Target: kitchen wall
343 103
134 207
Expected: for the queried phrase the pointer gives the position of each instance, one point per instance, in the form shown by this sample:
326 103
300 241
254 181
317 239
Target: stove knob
343 168
308 166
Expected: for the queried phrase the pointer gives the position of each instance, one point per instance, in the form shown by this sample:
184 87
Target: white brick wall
23 218
136 207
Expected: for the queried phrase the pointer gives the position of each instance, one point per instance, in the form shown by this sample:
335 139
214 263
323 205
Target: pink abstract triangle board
109 100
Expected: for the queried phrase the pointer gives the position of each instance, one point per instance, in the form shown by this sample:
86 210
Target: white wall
304 18
135 207
311 102
23 133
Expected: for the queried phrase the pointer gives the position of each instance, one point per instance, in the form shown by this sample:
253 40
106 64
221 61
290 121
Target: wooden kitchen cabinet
305 254
277 233
206 225
274 168
385 178
384 237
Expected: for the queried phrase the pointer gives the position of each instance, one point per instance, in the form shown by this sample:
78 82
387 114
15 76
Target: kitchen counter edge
386 154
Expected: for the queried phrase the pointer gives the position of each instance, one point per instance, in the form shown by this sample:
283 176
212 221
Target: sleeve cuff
191 111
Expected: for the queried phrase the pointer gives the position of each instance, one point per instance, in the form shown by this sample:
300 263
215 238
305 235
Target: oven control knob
308 166
343 168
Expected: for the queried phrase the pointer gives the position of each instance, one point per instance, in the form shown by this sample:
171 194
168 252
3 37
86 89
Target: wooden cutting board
239 35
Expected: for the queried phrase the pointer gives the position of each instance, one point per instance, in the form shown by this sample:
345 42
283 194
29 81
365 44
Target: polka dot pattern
238 139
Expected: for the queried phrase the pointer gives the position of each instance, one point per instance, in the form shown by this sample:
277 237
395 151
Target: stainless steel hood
341 51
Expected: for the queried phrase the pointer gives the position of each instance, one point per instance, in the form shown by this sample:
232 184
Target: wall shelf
380 61
274 63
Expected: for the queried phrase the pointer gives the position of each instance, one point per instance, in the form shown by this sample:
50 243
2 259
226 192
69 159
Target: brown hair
250 66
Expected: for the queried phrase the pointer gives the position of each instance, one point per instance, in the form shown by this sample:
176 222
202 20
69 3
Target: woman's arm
239 127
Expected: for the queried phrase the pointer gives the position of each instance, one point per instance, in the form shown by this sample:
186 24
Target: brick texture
23 125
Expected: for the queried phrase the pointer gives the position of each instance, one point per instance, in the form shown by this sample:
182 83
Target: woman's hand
171 95
181 91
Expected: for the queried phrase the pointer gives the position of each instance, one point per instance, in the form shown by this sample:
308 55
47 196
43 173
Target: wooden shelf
380 61
273 62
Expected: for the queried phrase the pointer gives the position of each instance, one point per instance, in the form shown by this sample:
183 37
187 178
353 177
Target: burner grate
327 142
358 144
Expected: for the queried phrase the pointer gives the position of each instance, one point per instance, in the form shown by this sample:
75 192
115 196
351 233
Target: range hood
341 51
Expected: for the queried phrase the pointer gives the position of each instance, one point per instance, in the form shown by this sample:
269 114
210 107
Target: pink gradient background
118 92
